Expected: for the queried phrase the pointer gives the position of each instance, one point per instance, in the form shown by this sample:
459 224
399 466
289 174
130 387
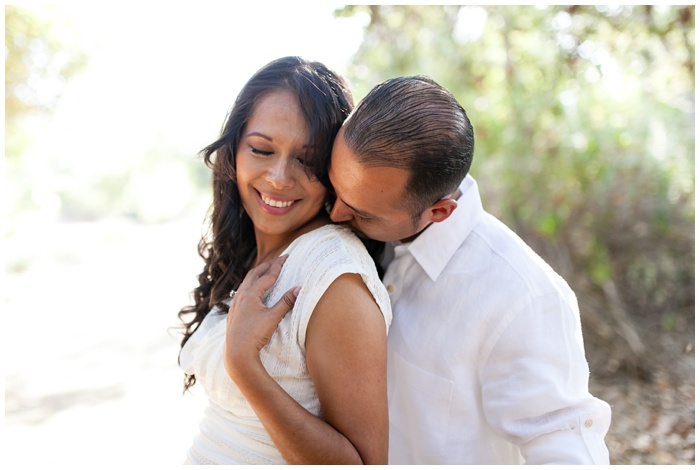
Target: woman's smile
276 204
279 196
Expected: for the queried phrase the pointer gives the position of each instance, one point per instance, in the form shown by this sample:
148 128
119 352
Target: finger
254 274
286 303
267 278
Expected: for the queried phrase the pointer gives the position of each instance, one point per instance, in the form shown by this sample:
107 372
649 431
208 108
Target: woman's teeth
273 203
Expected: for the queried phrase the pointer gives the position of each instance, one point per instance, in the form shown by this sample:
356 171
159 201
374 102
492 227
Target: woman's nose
280 174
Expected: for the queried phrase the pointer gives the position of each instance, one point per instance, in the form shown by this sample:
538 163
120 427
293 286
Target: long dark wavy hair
228 244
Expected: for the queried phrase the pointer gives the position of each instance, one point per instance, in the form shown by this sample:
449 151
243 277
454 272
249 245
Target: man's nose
340 212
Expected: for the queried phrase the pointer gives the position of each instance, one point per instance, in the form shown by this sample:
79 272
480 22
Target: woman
326 358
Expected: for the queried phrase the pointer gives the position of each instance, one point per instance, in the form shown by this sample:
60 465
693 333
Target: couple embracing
358 305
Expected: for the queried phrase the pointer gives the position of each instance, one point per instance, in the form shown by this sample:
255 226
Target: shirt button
588 423
390 288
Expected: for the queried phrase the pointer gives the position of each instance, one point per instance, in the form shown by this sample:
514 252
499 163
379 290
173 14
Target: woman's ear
442 209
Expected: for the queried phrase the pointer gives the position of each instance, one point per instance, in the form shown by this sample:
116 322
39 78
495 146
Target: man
486 362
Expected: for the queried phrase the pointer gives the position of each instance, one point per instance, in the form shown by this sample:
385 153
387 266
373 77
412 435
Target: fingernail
296 291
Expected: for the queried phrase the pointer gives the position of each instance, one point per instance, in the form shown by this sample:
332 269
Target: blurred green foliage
46 178
584 122
37 64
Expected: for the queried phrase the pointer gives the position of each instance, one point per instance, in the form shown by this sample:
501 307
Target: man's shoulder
495 253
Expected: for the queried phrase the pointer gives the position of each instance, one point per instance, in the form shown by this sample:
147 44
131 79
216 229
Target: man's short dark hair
415 124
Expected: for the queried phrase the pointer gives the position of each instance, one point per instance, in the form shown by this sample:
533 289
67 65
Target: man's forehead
371 190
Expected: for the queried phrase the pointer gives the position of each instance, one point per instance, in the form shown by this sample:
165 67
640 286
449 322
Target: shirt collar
438 243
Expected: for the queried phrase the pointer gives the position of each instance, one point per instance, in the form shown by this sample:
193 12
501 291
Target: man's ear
442 209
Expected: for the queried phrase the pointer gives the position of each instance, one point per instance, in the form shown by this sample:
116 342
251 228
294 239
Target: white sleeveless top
230 432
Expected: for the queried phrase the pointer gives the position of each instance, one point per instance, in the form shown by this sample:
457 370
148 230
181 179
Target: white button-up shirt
486 359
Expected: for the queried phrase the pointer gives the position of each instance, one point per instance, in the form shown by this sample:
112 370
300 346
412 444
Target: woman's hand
346 359
250 324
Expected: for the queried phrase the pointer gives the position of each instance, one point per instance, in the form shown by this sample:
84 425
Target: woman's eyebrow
267 137
258 134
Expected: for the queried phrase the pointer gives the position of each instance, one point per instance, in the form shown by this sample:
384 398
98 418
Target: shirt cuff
583 445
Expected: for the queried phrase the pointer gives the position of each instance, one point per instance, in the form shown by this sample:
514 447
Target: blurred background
585 144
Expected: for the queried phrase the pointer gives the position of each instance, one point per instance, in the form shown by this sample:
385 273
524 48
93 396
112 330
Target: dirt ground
90 360
653 420
652 424
90 363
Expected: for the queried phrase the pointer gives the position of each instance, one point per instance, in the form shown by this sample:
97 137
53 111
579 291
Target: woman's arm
346 358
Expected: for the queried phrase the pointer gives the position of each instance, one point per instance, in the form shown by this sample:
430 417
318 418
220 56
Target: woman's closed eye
257 151
303 161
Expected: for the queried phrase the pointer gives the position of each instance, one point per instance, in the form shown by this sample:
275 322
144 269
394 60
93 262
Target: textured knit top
230 432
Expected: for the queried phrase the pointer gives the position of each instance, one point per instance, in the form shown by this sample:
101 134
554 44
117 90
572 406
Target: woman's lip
275 198
273 209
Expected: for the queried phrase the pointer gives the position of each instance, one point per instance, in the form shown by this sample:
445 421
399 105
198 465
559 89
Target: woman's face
276 192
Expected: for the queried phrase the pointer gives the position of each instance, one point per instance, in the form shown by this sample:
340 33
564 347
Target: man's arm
535 386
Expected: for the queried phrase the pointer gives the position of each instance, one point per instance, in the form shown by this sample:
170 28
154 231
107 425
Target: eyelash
263 153
259 152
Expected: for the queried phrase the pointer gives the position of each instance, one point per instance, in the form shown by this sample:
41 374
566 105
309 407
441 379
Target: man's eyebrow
357 211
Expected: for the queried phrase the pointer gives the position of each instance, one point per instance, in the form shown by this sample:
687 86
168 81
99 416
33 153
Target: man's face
371 199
